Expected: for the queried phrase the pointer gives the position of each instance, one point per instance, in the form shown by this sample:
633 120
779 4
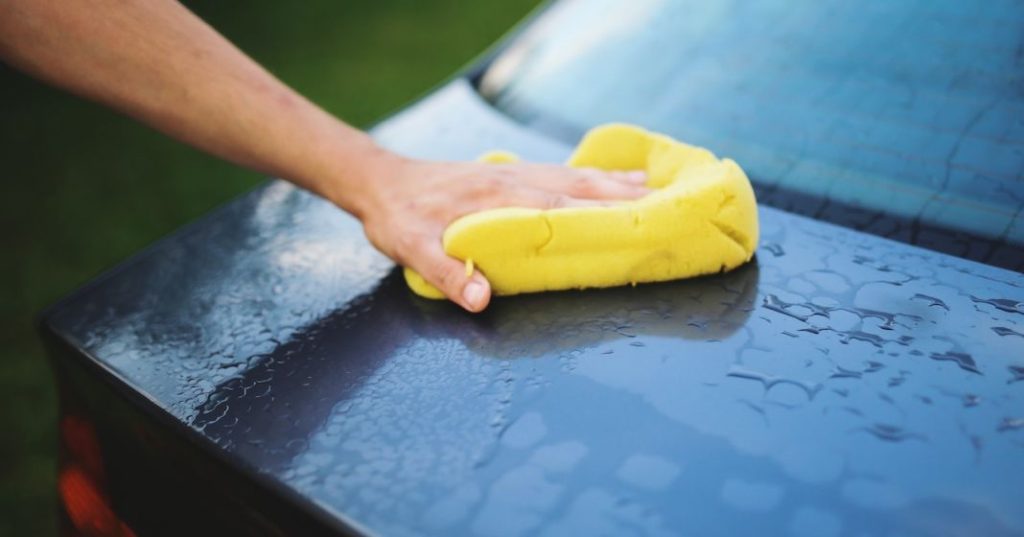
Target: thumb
455 279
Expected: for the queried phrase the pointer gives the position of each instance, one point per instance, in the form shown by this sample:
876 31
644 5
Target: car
264 371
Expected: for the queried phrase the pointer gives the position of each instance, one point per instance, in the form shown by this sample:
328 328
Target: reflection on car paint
840 381
837 111
302 353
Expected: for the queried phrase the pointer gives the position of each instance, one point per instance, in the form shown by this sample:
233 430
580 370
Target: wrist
361 180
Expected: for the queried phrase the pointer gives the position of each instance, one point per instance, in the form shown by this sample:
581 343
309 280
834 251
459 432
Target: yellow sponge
702 219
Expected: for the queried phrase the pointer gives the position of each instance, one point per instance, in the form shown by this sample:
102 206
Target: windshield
905 109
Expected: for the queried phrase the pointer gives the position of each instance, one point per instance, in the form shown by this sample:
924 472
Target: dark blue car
264 371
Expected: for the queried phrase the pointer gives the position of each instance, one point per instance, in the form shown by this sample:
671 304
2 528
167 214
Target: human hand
412 202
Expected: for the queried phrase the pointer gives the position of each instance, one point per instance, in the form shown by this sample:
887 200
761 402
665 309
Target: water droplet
961 359
1003 331
769 381
1002 304
1010 424
841 373
873 366
774 248
932 301
892 433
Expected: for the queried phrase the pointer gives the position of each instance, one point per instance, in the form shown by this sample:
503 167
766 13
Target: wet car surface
841 383
839 380
901 119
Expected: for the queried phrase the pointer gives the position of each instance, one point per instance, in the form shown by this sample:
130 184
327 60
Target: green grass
83 187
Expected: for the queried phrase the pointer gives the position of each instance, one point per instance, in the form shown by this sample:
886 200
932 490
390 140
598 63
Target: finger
525 196
600 184
552 200
467 288
589 183
635 177
536 198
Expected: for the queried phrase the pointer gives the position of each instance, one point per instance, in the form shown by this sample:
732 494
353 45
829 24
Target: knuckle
583 185
488 186
504 173
447 275
409 244
557 201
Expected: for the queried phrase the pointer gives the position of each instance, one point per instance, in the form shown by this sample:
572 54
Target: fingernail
473 294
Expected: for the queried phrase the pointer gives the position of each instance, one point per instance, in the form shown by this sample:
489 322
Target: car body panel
838 381
894 118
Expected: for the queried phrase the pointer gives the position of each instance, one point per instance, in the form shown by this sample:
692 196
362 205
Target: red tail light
80 483
81 445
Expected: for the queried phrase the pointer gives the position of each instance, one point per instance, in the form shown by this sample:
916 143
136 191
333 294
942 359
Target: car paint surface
894 118
840 383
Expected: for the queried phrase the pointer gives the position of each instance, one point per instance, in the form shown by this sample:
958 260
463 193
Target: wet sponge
702 219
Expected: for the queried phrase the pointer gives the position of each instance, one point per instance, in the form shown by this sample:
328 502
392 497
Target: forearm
155 61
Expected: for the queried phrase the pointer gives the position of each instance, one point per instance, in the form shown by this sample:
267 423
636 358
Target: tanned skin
157 62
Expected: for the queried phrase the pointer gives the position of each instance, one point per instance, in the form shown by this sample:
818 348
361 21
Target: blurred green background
83 187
